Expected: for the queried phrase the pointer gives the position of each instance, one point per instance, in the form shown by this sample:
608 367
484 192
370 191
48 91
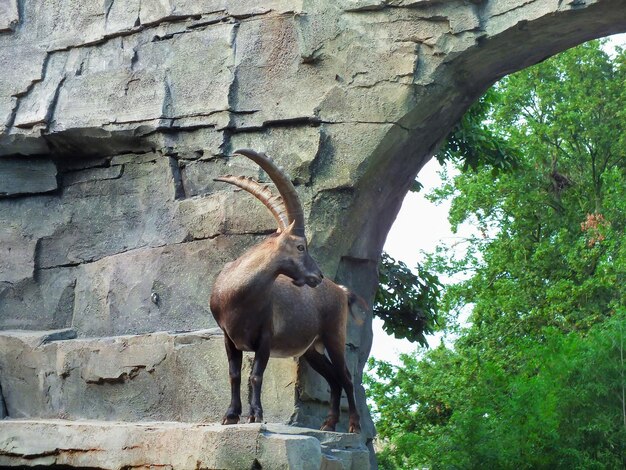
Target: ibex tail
352 300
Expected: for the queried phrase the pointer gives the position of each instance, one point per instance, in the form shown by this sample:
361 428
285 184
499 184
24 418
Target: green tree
537 378
564 408
407 301
549 250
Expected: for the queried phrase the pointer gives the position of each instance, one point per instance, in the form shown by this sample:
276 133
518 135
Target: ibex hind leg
336 354
234 371
323 366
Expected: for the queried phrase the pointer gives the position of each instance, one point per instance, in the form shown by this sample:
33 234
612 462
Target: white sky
420 226
405 242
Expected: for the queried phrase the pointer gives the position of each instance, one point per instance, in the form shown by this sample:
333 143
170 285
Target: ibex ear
289 229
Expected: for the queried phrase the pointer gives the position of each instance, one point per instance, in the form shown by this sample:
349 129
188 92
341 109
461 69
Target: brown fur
273 300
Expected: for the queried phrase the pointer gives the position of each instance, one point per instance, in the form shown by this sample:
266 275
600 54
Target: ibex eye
300 247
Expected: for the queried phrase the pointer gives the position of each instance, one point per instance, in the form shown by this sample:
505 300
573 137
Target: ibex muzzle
297 264
273 300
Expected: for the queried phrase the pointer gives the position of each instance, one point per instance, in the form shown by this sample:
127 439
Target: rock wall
117 115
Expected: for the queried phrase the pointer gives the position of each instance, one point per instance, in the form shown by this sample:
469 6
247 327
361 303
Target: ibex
273 300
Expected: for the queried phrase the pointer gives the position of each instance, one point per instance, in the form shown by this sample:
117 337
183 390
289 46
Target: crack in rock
124 376
3 407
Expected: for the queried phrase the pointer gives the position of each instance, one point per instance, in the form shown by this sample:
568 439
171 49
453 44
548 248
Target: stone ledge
161 376
174 445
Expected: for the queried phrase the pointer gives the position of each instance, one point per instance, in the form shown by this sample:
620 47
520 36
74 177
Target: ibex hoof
328 426
355 429
230 419
255 419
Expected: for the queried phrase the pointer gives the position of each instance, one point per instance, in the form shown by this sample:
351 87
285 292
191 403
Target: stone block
17 254
123 16
203 217
197 176
152 288
293 452
46 302
145 81
266 58
159 376
187 60
332 463
37 107
338 163
339 450
27 176
93 174
176 446
196 137
115 446
121 214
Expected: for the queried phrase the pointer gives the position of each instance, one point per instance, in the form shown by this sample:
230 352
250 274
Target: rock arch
116 116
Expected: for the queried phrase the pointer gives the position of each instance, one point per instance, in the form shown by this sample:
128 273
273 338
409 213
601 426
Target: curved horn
284 186
262 193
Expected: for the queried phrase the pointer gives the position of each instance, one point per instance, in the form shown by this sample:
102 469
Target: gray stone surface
9 15
119 445
27 176
142 240
116 116
294 452
159 376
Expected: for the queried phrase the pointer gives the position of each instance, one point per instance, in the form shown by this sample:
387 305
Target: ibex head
294 259
289 243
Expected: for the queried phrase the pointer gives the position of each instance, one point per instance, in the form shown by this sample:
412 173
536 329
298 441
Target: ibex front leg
234 371
261 357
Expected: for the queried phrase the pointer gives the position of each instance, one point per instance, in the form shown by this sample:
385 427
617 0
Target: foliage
549 250
474 145
563 408
537 379
406 301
